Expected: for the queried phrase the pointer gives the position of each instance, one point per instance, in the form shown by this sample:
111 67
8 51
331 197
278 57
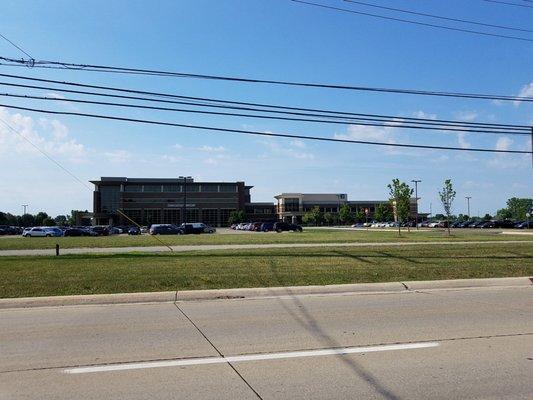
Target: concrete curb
250 293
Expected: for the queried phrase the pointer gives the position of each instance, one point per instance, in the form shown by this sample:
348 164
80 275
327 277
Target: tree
383 213
400 198
48 222
236 217
40 217
329 218
487 217
61 220
313 216
447 195
504 213
519 207
360 216
27 220
345 214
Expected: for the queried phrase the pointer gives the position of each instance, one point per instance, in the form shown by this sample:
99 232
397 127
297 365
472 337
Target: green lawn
308 236
138 272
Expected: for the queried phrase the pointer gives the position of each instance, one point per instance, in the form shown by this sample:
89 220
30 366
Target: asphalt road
455 344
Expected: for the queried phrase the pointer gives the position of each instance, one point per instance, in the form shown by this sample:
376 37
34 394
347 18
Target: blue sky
275 39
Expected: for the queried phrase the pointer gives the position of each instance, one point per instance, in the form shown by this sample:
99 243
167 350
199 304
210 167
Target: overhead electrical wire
16 46
508 3
258 133
126 70
345 117
407 21
465 21
362 121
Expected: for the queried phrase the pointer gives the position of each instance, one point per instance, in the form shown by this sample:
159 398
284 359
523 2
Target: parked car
10 230
476 224
165 229
256 226
285 226
113 230
456 224
506 224
487 225
78 232
100 230
35 231
524 225
197 228
267 226
54 231
134 231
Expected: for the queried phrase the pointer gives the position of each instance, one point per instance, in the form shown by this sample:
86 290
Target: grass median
138 272
308 236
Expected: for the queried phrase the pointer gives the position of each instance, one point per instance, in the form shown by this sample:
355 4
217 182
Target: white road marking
250 357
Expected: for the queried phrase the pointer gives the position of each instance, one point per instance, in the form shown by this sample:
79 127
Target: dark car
267 226
77 232
197 228
285 226
165 229
100 230
475 224
256 226
134 231
487 225
506 224
456 224
524 225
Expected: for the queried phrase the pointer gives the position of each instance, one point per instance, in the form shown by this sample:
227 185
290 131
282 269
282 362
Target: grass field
137 272
308 236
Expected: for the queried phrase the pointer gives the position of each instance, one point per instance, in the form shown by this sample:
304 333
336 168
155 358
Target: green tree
383 213
329 218
400 198
519 207
447 195
236 217
487 217
504 213
345 214
61 220
313 216
27 220
48 222
40 217
360 216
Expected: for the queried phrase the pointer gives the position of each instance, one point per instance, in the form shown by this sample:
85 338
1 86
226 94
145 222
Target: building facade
160 201
291 207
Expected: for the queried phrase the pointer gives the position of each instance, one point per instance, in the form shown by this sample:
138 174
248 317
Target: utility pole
416 182
184 180
24 206
468 205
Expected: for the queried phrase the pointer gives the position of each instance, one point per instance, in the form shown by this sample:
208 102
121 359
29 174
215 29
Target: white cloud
298 143
170 158
288 151
461 139
118 156
178 146
526 91
50 136
503 143
55 95
422 114
466 115
211 149
368 133
477 185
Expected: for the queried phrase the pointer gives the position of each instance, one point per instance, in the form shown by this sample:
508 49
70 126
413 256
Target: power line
360 122
508 3
257 133
438 16
15 45
270 108
125 70
407 21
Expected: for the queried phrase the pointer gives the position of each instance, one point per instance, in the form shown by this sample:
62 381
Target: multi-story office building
291 207
154 201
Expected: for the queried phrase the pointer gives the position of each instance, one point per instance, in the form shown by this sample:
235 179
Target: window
209 187
135 215
110 198
152 216
133 188
171 216
171 188
192 215
228 188
224 215
152 188
210 216
193 187
292 204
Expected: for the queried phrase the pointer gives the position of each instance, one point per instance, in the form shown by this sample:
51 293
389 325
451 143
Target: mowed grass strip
134 272
308 236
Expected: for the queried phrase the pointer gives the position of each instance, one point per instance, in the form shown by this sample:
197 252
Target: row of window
192 187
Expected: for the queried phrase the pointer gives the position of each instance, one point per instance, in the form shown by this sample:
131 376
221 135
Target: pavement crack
218 351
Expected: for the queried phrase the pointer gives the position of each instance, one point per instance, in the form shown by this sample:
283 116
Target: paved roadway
468 344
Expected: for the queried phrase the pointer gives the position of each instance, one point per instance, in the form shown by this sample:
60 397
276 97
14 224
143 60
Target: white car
36 231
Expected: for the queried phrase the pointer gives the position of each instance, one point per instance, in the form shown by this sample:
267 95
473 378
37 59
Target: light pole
416 182
184 180
468 205
24 206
